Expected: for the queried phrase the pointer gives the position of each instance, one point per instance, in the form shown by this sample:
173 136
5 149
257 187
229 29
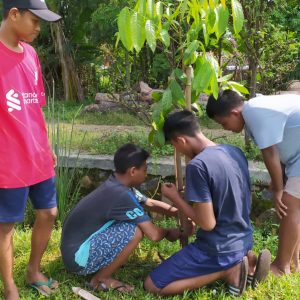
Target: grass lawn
139 265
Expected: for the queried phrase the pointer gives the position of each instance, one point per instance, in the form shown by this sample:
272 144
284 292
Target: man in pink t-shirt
26 159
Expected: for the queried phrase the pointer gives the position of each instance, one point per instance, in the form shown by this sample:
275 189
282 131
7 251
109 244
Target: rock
150 185
268 217
104 103
294 86
91 108
86 182
104 97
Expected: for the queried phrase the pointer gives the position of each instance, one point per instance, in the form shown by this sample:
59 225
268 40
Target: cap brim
46 15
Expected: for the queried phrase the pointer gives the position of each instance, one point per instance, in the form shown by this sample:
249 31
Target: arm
155 233
161 207
273 164
202 214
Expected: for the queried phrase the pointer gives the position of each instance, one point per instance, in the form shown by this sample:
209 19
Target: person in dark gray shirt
218 200
106 226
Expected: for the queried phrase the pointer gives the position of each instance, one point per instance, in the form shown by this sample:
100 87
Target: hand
54 157
173 234
279 205
169 190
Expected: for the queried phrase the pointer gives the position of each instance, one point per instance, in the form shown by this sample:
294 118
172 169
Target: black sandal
237 291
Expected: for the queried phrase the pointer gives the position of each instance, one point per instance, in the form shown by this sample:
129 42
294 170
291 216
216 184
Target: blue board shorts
107 245
13 201
192 262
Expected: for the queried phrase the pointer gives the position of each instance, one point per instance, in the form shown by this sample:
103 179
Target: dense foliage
89 37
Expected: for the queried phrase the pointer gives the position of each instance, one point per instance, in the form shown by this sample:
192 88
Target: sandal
262 269
44 287
237 291
102 287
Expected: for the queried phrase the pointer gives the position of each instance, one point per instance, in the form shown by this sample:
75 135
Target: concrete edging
157 167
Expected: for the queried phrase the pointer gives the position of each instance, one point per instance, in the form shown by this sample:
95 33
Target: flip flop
262 268
237 291
44 287
101 286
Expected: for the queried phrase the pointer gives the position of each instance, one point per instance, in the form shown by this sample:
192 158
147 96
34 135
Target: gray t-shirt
111 201
219 174
275 120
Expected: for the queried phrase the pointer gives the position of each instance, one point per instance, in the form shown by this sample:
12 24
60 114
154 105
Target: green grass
109 140
66 111
139 265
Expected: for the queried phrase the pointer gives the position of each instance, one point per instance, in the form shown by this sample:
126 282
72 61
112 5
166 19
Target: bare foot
11 293
252 259
32 277
277 271
295 265
110 283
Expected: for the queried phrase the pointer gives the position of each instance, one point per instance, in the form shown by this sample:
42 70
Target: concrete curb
158 167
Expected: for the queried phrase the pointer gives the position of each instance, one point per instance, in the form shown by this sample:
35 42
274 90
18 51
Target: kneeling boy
106 226
218 185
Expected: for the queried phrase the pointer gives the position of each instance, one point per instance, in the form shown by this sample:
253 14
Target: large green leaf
156 96
138 31
124 25
214 64
159 137
237 87
157 114
210 21
141 7
159 9
165 38
177 93
205 34
166 101
189 54
150 8
203 74
214 86
238 16
222 20
150 34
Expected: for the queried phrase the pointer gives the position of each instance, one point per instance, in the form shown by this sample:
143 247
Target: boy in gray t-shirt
107 225
273 122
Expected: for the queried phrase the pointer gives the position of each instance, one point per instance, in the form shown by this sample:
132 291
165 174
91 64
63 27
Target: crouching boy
107 225
218 194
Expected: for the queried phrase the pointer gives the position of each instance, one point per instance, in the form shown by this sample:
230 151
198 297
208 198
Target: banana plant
190 29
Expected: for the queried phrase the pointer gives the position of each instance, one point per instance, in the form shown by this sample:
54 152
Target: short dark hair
182 122
128 156
227 100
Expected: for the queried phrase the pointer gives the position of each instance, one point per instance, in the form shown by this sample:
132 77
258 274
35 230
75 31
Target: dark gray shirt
219 174
111 201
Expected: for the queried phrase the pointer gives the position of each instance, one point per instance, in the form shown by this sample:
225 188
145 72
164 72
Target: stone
86 182
294 86
268 217
150 185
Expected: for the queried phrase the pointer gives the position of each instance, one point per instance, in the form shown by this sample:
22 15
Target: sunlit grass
140 264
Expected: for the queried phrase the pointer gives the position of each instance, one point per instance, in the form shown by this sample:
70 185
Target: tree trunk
71 82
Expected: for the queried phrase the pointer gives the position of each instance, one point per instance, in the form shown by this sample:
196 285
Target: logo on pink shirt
13 102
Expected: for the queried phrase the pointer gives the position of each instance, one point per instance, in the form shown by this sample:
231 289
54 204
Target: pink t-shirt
25 154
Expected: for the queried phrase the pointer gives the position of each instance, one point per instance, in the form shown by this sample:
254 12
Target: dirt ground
210 133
